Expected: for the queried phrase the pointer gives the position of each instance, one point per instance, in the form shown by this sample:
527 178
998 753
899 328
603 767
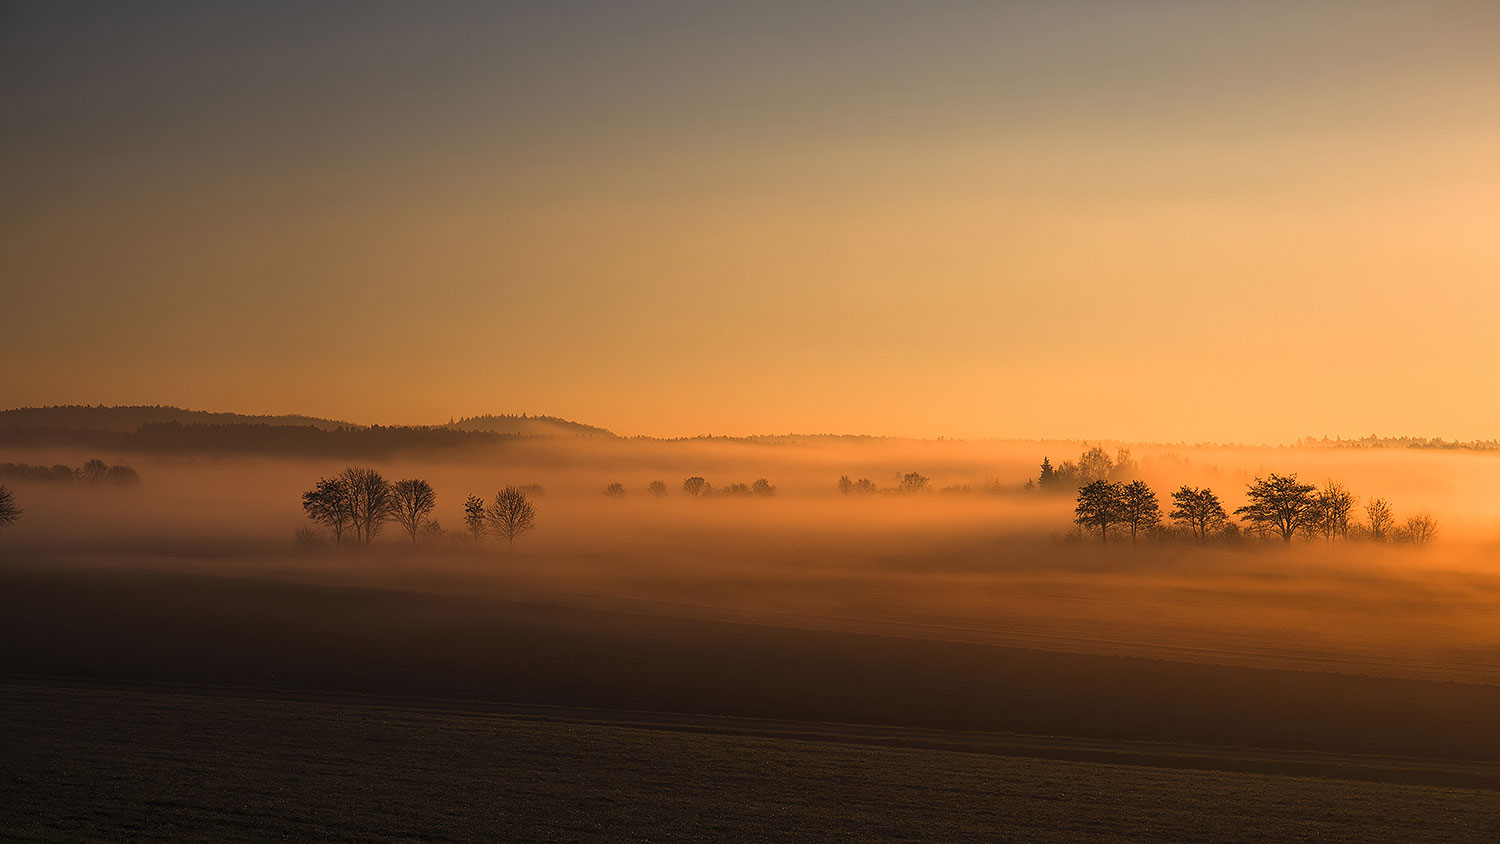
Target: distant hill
173 430
529 426
129 418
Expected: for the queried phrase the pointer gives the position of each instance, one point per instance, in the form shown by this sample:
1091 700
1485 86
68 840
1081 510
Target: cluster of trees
358 502
1094 464
911 482
1276 506
94 473
697 487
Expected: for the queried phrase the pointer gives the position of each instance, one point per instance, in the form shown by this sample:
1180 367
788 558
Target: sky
1151 221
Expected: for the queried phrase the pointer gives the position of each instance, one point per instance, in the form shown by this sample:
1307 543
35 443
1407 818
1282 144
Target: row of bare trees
697 487
358 502
908 483
1276 506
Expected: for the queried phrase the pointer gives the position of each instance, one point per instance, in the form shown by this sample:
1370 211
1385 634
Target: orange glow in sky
1153 221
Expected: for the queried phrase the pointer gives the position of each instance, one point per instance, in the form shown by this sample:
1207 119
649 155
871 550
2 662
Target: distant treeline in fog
1372 441
93 472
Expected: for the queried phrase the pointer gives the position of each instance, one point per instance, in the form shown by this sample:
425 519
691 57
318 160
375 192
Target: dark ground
154 707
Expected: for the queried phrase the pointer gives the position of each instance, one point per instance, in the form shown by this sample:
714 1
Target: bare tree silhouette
510 515
1380 520
412 504
1095 465
657 489
94 471
762 487
1332 506
845 484
1199 509
371 501
912 482
694 485
1279 503
1139 509
122 476
615 491
1420 529
9 512
474 517
1099 506
330 504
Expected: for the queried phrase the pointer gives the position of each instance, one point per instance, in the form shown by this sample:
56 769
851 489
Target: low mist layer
974 555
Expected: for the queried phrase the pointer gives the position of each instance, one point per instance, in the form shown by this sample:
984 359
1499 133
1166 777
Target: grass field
154 704
119 765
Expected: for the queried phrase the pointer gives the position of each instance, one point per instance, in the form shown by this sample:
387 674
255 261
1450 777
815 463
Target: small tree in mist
307 539
615 491
864 486
1332 505
1125 467
657 489
694 485
1379 521
1199 509
762 487
329 504
122 476
1138 508
9 512
474 517
1419 529
845 484
1280 504
1095 465
371 501
1048 478
510 514
94 472
412 504
1099 506
912 482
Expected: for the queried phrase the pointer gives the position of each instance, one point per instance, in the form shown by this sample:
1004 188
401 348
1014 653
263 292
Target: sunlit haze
1155 221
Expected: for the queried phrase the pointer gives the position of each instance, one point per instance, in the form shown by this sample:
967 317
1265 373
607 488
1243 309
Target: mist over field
974 557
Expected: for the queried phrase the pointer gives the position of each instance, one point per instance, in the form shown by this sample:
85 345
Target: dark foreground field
113 765
164 706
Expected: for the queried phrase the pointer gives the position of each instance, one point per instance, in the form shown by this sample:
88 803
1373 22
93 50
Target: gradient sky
1149 220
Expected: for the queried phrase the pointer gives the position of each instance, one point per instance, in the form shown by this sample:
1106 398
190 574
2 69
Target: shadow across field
184 629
